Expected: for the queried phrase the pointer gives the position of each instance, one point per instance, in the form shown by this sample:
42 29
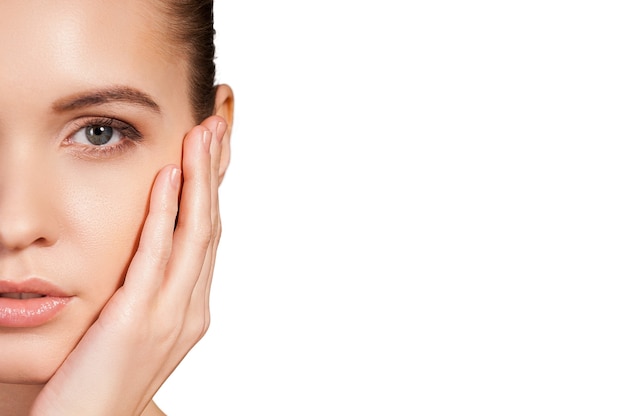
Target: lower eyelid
102 152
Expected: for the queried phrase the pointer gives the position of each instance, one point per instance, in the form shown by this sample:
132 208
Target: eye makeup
126 136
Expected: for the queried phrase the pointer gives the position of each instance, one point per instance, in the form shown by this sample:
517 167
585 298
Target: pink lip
26 313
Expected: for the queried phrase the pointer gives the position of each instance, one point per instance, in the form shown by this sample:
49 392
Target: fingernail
220 130
206 140
175 177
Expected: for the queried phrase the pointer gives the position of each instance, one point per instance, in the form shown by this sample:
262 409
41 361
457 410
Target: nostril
29 213
19 232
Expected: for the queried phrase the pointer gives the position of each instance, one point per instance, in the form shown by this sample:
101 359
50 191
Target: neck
17 399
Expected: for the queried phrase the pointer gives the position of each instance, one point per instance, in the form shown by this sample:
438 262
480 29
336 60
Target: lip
30 312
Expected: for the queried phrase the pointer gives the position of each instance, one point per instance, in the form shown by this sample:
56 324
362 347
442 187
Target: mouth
21 295
32 288
30 303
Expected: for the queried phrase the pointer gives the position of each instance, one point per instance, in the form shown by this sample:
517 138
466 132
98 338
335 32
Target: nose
27 214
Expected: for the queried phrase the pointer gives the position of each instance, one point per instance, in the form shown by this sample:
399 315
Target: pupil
99 135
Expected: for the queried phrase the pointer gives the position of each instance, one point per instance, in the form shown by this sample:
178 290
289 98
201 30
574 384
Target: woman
113 141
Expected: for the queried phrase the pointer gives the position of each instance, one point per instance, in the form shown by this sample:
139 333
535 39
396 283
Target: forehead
60 46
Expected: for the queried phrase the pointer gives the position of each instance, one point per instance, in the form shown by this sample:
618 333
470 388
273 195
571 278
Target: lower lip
27 313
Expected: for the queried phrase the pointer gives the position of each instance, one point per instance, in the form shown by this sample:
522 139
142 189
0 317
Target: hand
162 310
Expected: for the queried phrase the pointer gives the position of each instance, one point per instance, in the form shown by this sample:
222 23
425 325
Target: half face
91 108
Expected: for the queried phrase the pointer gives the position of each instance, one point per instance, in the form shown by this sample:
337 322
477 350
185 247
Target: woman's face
91 107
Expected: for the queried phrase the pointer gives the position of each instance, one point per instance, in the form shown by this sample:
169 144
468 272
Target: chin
29 359
27 376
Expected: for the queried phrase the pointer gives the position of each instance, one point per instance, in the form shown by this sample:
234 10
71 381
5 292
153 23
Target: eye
101 137
97 135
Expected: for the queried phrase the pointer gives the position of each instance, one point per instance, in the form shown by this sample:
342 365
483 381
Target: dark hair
190 27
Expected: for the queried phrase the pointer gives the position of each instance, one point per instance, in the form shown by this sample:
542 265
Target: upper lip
32 285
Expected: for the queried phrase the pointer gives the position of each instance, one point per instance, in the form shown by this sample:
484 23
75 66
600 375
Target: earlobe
224 107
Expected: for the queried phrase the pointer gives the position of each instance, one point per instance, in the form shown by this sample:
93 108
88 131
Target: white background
425 212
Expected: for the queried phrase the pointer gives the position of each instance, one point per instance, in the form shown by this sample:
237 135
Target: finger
194 230
201 291
216 222
147 268
211 123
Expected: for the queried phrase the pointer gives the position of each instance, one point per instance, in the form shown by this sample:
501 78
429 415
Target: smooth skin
140 338
100 224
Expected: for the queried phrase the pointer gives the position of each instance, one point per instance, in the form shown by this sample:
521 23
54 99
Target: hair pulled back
189 24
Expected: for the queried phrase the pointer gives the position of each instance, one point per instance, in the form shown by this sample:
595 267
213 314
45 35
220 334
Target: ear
224 107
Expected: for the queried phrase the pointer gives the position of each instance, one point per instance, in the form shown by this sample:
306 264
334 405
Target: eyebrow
104 96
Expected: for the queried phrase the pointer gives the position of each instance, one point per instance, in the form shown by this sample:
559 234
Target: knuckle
168 331
202 237
157 253
197 328
205 234
218 231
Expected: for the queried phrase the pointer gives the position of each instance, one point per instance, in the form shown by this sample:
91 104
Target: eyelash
130 137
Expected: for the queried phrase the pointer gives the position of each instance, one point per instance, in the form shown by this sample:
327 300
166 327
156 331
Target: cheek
104 217
105 208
